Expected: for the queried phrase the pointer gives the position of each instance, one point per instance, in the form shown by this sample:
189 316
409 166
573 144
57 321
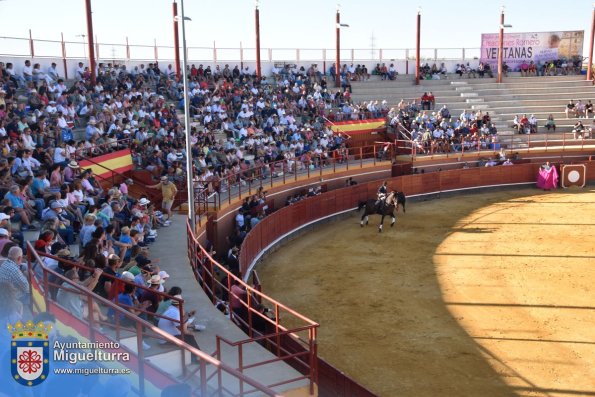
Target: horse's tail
360 205
401 199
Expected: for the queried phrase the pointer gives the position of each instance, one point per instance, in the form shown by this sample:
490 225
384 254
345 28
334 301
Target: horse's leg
366 219
361 222
393 219
381 223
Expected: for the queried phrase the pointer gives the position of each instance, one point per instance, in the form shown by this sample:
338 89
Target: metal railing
67 49
110 146
249 315
246 182
510 144
44 282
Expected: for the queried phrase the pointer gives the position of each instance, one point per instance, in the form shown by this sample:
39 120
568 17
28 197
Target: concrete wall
402 66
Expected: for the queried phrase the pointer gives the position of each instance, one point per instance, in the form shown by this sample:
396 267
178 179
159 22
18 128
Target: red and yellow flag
119 161
355 127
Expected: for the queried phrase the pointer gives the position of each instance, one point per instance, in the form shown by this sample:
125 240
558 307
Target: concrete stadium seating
517 95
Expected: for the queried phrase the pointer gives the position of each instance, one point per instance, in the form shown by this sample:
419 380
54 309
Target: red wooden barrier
292 217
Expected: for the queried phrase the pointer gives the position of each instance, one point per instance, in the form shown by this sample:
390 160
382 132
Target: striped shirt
11 273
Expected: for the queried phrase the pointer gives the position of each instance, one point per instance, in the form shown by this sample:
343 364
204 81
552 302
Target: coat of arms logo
29 353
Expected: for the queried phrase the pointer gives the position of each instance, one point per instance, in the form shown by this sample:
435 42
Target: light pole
338 55
417 43
590 67
176 40
338 25
189 173
90 36
501 45
257 27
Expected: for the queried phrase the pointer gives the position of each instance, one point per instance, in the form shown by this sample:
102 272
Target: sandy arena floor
478 295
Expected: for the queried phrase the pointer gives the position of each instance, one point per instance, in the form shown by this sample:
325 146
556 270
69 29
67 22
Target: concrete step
480 107
530 93
560 102
469 94
474 100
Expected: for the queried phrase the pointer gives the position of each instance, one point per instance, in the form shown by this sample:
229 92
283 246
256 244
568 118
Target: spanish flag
102 166
356 127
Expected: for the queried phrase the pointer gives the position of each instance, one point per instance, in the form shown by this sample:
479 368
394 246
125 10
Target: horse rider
382 192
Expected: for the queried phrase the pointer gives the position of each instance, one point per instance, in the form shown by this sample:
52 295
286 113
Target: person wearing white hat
91 130
164 276
72 171
127 276
173 323
151 294
144 201
4 237
5 221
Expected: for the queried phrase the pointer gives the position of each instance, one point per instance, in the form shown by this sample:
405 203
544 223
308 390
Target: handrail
335 125
475 147
163 295
118 143
241 282
363 54
136 181
204 358
335 161
205 269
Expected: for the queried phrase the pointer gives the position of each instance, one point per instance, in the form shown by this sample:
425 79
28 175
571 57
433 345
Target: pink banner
533 46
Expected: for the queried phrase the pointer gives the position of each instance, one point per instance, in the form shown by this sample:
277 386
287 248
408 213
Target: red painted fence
331 381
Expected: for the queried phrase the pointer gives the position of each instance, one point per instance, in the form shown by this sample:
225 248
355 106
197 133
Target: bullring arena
485 294
482 288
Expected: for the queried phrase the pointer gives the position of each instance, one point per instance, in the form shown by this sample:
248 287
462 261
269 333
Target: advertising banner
540 46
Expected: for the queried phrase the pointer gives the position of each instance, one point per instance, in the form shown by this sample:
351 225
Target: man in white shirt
80 70
60 87
51 107
392 72
28 71
53 72
28 139
173 322
60 154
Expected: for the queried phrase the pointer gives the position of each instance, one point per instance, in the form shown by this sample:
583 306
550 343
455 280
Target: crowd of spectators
45 190
439 131
270 128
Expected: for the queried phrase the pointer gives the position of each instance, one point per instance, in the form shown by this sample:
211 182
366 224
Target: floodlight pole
90 42
176 40
417 46
189 168
501 45
338 55
590 67
257 26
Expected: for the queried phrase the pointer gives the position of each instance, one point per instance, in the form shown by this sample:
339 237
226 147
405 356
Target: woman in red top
425 101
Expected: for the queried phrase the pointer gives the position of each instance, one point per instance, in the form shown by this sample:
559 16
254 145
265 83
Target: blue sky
292 24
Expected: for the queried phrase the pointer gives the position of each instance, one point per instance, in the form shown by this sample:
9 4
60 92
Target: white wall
72 63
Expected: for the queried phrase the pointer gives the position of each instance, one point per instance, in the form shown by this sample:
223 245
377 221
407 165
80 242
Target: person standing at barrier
168 191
